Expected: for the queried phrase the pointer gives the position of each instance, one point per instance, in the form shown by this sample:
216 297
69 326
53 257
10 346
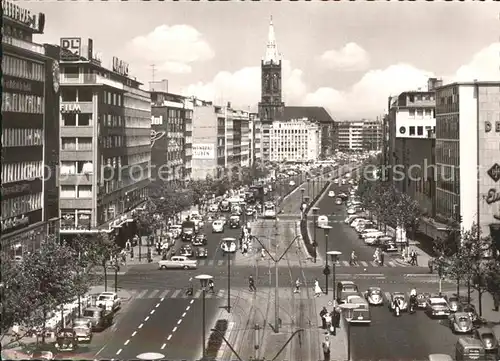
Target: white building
295 140
350 135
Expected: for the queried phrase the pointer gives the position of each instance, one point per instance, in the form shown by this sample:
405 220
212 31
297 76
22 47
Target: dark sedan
200 240
201 253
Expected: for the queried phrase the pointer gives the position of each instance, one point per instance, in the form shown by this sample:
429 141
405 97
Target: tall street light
326 271
348 309
302 190
228 239
315 240
308 185
334 255
204 282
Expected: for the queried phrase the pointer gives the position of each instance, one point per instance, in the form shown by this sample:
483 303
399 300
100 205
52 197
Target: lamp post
308 185
315 219
334 255
326 271
302 190
204 282
348 309
229 239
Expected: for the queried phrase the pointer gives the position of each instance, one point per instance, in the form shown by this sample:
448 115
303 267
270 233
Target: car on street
358 220
250 211
42 355
176 230
471 310
351 218
422 299
99 318
454 303
367 224
228 247
109 301
199 240
488 338
344 289
360 314
201 252
398 296
351 211
374 296
343 196
338 201
178 262
460 322
234 222
186 251
336 181
322 221
440 357
370 232
83 329
213 208
66 340
217 226
331 194
437 307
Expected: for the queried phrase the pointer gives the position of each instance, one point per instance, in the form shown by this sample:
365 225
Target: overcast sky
346 56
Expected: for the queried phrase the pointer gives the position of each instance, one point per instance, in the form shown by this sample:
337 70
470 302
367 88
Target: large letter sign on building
203 151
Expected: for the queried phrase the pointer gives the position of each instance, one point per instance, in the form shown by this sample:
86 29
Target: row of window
134 103
418 130
113 98
447 152
21 205
76 167
139 158
447 127
80 94
22 103
290 131
419 97
136 141
15 172
76 191
111 120
16 32
136 122
112 141
23 68
15 137
76 218
445 203
77 120
76 143
420 113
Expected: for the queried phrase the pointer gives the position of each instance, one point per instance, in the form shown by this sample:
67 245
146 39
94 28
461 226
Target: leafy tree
108 253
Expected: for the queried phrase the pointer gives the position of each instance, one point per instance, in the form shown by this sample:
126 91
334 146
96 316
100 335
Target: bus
269 211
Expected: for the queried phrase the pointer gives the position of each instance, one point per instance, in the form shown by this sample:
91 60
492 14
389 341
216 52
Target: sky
346 56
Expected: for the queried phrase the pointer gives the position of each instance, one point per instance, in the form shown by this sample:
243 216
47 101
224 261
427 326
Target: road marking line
220 263
163 298
197 294
152 311
140 326
179 322
163 294
163 346
146 319
187 308
169 337
119 351
126 342
391 264
184 314
153 293
175 294
364 264
345 263
142 294
192 301
157 305
221 293
134 333
374 264
174 329
211 263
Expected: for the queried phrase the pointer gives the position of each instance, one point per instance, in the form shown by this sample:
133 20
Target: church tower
271 106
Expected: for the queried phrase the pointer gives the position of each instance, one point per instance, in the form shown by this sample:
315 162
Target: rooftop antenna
153 71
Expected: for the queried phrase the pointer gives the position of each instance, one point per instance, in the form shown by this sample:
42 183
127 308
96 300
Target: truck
178 262
188 230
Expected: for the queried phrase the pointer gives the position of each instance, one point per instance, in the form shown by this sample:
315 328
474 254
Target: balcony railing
88 79
36 48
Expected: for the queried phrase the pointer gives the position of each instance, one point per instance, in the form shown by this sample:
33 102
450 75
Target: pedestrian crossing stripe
205 262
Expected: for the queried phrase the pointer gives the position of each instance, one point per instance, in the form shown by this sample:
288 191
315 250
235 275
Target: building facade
105 154
29 137
295 140
372 134
171 137
468 155
271 105
350 136
255 136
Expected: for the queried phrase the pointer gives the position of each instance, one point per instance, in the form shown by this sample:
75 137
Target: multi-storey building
372 134
255 138
468 155
411 148
171 135
295 140
105 122
350 135
217 140
30 83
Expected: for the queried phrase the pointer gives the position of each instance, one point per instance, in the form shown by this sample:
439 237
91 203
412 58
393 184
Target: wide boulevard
160 318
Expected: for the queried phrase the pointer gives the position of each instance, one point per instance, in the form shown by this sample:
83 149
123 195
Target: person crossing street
251 284
297 286
211 286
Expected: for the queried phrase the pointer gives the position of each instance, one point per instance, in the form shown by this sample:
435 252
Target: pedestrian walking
496 301
262 254
322 314
354 259
326 348
131 253
128 245
414 260
211 286
297 286
251 284
382 256
317 289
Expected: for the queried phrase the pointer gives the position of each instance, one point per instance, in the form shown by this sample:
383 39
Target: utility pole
257 338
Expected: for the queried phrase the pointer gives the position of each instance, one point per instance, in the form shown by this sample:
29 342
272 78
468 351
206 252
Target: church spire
272 55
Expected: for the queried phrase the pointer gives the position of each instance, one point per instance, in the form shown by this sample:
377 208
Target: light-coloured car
460 322
213 208
374 296
322 221
109 301
331 194
370 232
228 247
178 262
361 226
351 211
357 221
352 218
437 307
217 226
401 297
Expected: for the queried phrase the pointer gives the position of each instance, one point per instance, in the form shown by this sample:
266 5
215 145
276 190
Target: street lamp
348 309
308 185
302 190
326 271
315 243
204 282
229 239
334 255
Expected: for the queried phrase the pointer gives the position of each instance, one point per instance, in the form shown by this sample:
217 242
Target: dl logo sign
74 45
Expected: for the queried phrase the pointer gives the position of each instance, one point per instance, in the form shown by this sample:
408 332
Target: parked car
471 310
200 240
331 194
346 288
228 247
454 303
322 221
370 232
186 251
389 247
109 301
460 322
422 299
217 226
99 319
66 340
338 201
234 221
437 307
488 338
213 208
83 329
356 221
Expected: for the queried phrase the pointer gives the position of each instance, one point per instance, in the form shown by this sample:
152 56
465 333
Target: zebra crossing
174 293
360 264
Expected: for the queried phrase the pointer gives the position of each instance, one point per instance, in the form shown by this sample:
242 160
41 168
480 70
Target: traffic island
216 340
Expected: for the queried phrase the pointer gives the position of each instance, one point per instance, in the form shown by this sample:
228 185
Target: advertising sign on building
21 15
203 151
119 66
71 48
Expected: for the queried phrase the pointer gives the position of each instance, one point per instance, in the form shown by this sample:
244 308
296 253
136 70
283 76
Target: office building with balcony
30 83
372 134
171 135
255 135
349 137
468 155
105 154
295 140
